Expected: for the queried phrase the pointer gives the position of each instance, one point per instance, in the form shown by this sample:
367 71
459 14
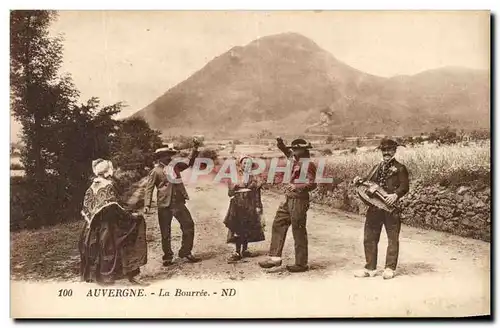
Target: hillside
282 81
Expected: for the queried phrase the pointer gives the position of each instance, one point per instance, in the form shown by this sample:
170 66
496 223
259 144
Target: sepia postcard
250 164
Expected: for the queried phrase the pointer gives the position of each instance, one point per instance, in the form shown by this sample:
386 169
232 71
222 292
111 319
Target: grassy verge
46 253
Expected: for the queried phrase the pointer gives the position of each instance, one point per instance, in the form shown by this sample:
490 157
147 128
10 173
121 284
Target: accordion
373 195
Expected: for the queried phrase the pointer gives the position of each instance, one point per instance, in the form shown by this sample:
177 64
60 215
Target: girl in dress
244 216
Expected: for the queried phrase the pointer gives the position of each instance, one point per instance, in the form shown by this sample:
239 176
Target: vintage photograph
250 164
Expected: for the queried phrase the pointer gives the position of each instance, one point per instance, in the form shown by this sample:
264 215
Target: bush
329 139
480 135
444 136
237 142
51 205
326 152
209 153
55 203
183 142
417 140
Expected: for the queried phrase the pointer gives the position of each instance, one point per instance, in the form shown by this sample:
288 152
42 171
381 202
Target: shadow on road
415 268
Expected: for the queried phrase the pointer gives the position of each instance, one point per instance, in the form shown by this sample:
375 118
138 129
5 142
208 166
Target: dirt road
438 274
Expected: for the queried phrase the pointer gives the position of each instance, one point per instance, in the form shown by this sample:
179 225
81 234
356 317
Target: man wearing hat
171 200
392 176
293 211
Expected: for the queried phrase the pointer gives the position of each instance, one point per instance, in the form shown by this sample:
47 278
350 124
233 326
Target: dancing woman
112 241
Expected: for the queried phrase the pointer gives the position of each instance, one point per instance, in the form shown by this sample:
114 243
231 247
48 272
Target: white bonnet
102 167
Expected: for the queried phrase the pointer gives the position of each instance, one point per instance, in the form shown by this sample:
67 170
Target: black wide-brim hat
387 143
166 150
300 144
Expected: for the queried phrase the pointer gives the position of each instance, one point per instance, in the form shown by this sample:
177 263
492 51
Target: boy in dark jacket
293 211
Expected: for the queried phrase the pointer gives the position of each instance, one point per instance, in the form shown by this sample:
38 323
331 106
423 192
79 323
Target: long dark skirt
243 221
113 246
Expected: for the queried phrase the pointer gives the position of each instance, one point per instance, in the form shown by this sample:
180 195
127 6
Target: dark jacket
397 181
157 178
301 189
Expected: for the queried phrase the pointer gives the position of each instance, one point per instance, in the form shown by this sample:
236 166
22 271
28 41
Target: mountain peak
283 78
288 38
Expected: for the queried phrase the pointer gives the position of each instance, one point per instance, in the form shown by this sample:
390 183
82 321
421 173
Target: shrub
480 135
209 153
444 136
326 152
418 140
54 204
183 142
51 205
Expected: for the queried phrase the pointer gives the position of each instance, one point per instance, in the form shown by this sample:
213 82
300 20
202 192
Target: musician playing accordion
392 177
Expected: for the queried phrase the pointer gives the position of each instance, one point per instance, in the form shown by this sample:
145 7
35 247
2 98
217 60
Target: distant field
447 164
425 162
428 163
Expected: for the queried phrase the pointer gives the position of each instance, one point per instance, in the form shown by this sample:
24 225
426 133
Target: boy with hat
293 211
392 176
171 200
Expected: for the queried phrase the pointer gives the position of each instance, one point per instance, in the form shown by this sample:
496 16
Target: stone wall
463 211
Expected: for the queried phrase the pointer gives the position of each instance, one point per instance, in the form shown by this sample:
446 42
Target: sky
136 56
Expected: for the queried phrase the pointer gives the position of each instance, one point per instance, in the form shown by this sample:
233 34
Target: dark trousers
375 219
181 213
291 212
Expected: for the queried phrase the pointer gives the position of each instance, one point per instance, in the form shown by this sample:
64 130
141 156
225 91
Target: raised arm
281 146
179 167
192 157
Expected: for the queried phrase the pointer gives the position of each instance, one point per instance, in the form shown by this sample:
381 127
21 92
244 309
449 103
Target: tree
61 138
84 133
38 93
134 143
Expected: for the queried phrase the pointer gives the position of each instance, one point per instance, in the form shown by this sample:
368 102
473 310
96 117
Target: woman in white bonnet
113 241
102 168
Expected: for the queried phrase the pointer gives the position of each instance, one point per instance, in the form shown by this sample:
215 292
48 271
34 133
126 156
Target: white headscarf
102 167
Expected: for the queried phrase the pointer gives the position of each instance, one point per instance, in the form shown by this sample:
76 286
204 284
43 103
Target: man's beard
387 158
